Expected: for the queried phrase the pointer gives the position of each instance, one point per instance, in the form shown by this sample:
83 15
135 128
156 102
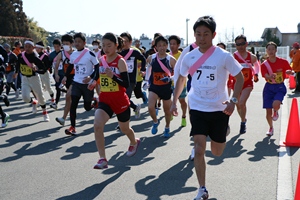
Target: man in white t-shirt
208 99
86 68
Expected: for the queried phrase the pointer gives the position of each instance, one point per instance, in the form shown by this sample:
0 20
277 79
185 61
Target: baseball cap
296 45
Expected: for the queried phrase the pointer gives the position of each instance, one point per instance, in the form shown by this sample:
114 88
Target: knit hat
40 44
5 45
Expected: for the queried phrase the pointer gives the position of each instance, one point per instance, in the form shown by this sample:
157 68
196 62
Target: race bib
130 65
157 76
25 70
107 84
246 72
278 79
80 69
205 78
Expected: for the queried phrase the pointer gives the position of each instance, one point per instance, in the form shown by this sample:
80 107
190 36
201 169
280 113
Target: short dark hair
271 43
80 36
157 34
206 21
160 38
96 41
126 34
67 38
176 38
56 41
223 44
240 37
17 43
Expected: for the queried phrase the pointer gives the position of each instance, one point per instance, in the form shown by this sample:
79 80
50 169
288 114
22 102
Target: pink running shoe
133 148
101 164
275 115
270 132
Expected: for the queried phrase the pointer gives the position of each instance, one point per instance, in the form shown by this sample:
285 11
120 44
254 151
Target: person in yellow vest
174 42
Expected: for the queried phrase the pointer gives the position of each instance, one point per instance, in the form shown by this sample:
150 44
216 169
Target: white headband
29 42
39 46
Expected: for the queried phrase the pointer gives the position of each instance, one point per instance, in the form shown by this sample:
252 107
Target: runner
273 70
131 56
210 109
98 54
45 78
113 98
3 63
246 59
10 70
175 41
86 67
60 70
52 58
30 66
159 76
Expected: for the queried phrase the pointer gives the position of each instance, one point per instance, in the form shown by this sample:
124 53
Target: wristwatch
234 100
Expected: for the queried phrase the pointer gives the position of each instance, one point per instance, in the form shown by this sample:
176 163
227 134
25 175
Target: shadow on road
265 148
233 149
171 182
93 191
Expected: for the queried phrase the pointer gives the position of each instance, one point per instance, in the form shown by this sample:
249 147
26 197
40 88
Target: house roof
273 31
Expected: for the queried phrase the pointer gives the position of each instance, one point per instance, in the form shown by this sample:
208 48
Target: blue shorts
273 92
183 93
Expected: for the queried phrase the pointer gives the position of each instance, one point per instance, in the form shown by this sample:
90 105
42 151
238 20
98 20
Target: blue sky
165 16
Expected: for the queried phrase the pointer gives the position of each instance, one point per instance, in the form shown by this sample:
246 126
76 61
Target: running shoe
137 111
53 105
61 121
145 99
5 120
243 127
101 164
70 131
5 100
94 103
192 154
133 148
183 122
270 132
275 116
202 194
154 128
34 106
46 116
167 133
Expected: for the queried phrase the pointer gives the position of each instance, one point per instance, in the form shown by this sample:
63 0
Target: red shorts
117 101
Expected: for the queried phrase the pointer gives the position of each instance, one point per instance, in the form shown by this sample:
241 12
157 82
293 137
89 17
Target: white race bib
80 69
130 65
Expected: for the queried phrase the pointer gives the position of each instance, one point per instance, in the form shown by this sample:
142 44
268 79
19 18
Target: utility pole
187 32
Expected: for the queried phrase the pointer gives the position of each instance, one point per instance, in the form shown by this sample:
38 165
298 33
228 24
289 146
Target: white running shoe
61 121
192 154
46 117
34 106
137 111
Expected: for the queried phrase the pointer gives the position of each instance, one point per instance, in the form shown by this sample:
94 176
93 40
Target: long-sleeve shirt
296 61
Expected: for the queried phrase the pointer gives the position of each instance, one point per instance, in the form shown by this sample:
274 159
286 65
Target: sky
233 17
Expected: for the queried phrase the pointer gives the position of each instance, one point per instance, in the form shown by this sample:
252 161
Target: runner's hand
166 79
145 85
173 110
256 78
229 108
109 72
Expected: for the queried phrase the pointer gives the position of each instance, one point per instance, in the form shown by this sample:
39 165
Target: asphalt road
38 161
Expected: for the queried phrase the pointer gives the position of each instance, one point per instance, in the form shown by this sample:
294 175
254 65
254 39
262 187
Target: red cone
293 132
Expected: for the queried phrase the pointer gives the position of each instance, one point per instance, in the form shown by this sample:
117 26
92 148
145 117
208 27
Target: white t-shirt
85 66
208 87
